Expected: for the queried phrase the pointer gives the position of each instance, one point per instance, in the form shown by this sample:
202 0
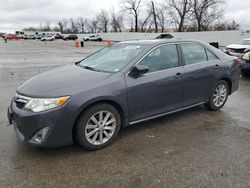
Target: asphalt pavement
192 148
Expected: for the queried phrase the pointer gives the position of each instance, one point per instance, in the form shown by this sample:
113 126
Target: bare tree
63 24
206 12
47 26
234 26
222 26
44 26
148 16
56 29
161 18
88 26
30 29
154 16
81 24
132 7
147 19
131 25
150 20
41 26
116 21
179 11
92 25
73 26
103 20
120 22
60 25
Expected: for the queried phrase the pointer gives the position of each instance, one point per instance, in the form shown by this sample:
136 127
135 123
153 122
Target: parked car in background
3 39
93 38
58 36
48 38
165 36
39 36
2 34
131 82
239 48
29 37
245 65
70 37
12 37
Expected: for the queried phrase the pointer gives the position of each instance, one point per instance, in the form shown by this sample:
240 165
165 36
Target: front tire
98 126
218 96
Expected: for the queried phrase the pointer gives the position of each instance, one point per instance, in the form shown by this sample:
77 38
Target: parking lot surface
192 148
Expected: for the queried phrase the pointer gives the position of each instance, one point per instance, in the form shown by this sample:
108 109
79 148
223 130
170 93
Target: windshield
113 58
244 42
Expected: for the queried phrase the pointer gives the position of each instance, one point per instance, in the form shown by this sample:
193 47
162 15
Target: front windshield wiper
90 68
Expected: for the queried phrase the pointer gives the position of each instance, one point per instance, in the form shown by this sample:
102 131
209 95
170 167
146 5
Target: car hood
67 80
238 46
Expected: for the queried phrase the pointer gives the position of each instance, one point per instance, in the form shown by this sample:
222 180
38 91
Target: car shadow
166 120
245 78
130 131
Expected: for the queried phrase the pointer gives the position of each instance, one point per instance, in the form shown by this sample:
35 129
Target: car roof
156 42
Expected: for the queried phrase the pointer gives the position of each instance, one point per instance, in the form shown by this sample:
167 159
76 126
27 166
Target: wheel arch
229 82
114 103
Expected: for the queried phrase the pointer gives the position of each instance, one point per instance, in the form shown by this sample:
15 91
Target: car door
160 90
200 72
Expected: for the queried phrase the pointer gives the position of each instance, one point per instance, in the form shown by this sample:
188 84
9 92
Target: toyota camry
129 82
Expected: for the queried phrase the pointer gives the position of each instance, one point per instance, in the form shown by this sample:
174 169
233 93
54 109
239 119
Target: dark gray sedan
120 85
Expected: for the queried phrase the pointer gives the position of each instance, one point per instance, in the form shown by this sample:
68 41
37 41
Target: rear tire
97 127
218 96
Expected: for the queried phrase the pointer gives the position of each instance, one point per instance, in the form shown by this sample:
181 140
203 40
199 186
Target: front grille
21 101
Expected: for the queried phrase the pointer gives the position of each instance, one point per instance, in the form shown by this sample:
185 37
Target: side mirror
246 56
138 70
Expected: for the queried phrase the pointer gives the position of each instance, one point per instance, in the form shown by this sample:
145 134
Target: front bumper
27 123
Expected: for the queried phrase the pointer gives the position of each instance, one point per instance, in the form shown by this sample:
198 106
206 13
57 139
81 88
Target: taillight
238 61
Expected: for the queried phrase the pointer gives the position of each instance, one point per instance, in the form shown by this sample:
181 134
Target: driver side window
161 58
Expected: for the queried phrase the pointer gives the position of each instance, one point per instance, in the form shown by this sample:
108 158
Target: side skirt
167 113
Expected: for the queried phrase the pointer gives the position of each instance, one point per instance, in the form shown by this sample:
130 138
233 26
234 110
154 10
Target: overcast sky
17 14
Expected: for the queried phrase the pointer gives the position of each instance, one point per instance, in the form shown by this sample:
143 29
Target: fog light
39 137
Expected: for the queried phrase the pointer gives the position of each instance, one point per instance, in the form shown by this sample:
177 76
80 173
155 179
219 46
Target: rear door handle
216 66
178 75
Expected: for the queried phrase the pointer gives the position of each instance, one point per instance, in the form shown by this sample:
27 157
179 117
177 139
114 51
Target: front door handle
178 75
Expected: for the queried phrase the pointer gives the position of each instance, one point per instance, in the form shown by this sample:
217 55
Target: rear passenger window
193 53
210 55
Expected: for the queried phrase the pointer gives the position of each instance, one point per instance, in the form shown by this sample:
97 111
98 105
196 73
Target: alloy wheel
220 95
100 127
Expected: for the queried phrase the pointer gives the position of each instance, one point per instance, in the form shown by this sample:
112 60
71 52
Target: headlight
38 105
